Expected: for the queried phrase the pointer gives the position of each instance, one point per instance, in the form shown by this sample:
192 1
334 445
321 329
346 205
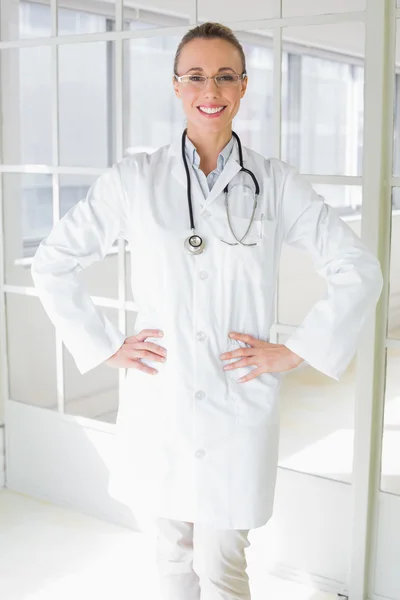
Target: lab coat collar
232 167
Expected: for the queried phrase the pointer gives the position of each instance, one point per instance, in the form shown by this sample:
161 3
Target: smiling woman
210 78
193 446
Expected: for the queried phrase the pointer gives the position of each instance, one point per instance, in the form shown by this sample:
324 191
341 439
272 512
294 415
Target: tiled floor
51 553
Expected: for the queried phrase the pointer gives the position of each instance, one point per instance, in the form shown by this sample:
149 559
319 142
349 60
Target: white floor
48 553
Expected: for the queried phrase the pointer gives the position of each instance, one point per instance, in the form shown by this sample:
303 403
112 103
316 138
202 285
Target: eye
226 78
195 78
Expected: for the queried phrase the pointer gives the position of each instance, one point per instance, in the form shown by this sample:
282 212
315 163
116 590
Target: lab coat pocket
252 263
253 400
240 225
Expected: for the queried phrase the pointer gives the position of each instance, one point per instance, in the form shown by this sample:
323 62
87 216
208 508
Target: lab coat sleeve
84 235
328 336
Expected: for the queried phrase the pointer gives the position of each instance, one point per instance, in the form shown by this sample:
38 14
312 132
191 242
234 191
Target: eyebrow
220 69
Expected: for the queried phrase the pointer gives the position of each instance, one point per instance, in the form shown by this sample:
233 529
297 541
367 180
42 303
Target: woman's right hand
134 348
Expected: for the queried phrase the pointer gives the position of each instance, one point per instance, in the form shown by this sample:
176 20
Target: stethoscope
195 244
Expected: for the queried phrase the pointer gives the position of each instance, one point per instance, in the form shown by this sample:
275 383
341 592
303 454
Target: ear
244 86
176 87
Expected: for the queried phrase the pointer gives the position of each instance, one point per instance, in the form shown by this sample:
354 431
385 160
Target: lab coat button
201 336
200 395
203 274
207 213
200 453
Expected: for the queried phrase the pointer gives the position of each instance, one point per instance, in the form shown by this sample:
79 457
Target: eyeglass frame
242 77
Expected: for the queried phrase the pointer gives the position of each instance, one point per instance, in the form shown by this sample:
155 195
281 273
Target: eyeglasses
200 81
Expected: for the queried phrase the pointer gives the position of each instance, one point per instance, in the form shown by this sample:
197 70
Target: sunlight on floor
63 554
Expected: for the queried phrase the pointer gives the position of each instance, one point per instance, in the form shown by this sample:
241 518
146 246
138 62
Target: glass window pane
26 105
317 421
158 13
71 22
72 189
347 199
394 297
216 10
254 120
322 98
94 394
294 8
28 214
31 352
132 24
297 277
390 476
151 119
86 110
24 20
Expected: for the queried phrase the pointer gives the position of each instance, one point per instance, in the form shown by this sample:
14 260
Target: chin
216 125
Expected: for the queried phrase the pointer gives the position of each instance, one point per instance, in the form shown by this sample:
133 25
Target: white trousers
195 561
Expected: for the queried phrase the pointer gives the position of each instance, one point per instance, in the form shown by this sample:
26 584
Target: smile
211 112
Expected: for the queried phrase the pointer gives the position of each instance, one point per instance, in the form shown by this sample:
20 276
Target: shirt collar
194 157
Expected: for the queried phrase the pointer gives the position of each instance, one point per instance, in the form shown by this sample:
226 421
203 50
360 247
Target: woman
197 451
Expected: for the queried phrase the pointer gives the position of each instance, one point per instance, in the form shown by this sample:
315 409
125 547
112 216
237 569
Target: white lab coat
191 443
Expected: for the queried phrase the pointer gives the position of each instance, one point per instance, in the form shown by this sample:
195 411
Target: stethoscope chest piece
194 244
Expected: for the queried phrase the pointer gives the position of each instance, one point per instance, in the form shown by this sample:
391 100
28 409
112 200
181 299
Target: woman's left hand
267 357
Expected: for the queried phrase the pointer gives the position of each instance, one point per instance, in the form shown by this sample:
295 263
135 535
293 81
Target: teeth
211 111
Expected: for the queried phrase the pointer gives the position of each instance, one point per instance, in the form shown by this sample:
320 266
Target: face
209 57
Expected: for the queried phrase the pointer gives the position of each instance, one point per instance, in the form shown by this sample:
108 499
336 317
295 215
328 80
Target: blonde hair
210 31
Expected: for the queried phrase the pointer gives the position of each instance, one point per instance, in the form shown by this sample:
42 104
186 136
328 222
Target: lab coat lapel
232 167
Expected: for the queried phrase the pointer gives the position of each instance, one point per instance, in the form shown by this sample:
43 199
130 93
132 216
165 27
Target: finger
244 362
244 337
145 333
134 353
237 353
152 347
252 375
251 340
136 364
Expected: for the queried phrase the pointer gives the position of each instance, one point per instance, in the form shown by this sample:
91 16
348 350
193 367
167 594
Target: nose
210 85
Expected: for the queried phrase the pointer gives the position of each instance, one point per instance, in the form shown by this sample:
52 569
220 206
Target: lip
214 115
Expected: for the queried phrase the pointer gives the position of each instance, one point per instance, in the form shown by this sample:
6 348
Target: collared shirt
207 181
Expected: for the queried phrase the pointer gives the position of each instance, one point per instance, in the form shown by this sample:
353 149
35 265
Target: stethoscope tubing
189 188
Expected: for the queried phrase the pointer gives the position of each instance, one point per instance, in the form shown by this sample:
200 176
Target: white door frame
378 180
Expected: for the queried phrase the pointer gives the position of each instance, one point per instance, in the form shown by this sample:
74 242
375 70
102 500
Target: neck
209 145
